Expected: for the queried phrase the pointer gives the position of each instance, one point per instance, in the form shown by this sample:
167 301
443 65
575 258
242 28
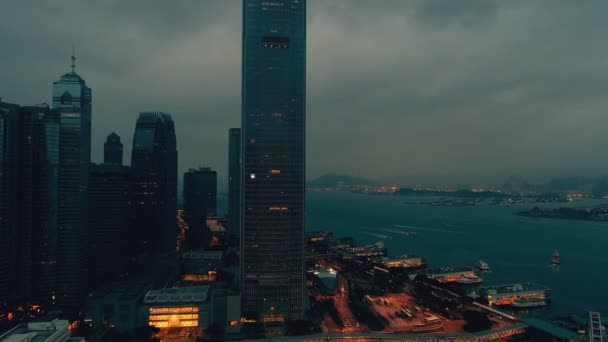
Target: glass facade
108 229
153 199
234 183
200 203
72 99
8 203
29 149
273 147
112 150
40 183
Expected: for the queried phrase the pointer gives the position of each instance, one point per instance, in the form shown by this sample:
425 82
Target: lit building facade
234 183
153 194
273 157
179 307
72 99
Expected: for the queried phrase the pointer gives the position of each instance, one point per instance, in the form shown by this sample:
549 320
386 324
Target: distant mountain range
598 187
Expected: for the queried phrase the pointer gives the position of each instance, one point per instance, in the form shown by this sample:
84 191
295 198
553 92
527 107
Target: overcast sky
429 90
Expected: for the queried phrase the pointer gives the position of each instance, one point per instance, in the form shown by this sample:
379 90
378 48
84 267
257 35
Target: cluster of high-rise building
68 225
44 161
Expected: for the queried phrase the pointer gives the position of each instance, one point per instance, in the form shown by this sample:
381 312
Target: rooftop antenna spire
73 58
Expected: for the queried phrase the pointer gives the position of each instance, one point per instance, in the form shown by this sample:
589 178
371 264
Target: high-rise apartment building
273 147
153 194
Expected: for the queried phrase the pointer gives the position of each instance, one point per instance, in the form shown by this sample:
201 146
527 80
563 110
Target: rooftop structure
203 255
216 224
49 331
328 278
318 236
559 333
403 261
195 294
374 250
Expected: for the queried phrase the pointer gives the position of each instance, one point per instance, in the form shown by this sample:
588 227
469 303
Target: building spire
73 58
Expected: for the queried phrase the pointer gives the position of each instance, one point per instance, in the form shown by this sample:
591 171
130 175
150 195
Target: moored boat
469 279
528 303
483 266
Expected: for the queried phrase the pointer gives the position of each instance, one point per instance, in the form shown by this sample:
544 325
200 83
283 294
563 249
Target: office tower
39 202
28 206
112 150
8 204
234 183
72 99
273 147
153 191
108 229
200 203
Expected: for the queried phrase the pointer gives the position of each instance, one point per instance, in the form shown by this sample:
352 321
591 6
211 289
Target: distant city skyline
477 90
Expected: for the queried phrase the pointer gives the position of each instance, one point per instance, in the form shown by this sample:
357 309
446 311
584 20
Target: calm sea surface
518 248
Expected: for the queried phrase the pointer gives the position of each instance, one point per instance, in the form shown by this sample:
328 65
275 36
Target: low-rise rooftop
327 277
183 295
55 331
205 255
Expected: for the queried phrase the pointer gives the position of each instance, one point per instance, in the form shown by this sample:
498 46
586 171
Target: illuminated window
174 317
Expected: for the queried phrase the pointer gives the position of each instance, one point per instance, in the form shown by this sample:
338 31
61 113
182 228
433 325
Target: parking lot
405 316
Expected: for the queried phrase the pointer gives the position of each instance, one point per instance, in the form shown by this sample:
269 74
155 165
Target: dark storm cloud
427 89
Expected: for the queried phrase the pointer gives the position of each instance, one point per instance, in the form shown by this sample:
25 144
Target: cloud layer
428 90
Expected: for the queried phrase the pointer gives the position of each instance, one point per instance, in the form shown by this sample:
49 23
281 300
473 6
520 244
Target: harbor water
517 248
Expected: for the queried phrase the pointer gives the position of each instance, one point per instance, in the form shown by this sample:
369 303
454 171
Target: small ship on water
483 266
555 258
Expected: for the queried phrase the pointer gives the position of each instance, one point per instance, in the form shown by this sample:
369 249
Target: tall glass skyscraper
154 184
234 184
29 153
72 99
9 152
108 214
273 147
200 203
112 150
